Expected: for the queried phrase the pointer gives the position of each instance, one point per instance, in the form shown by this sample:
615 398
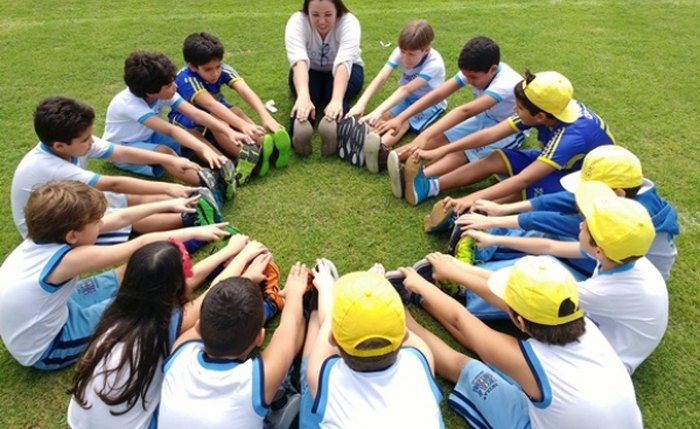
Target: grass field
633 62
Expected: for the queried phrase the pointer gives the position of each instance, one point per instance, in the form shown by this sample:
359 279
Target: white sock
434 188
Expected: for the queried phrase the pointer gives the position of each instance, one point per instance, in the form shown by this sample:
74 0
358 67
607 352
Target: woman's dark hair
340 8
138 321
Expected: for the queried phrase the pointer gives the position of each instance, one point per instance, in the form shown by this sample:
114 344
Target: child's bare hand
356 110
481 239
427 155
255 271
253 249
236 243
373 118
182 205
211 158
391 126
459 205
271 125
181 164
253 131
296 281
487 207
325 273
442 265
413 281
474 221
203 233
176 190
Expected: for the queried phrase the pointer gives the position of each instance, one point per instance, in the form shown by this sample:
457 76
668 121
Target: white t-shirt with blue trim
403 395
500 89
32 311
41 165
630 306
431 68
199 391
584 385
126 114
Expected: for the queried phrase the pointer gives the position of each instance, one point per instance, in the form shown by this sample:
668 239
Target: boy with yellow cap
566 375
626 296
362 367
566 128
556 215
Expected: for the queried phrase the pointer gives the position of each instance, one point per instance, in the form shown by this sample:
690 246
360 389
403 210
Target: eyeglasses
325 47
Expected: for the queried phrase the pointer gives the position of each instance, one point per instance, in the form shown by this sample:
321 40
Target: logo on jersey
483 384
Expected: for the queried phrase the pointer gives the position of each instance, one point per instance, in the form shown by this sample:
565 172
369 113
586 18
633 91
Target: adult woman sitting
323 48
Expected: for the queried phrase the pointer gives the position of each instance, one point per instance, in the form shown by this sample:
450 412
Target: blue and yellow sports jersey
190 84
566 145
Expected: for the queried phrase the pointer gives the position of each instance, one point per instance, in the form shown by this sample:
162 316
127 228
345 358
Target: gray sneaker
328 130
393 165
301 139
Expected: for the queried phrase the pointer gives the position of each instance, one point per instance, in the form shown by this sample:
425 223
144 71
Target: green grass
632 62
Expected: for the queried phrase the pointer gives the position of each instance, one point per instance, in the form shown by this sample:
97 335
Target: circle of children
593 306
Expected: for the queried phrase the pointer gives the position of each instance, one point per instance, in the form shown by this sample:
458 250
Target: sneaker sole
227 172
411 169
393 166
328 130
247 161
284 145
301 140
371 150
357 145
208 197
268 146
345 128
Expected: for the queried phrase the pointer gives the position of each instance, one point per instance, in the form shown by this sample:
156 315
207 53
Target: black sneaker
407 297
351 140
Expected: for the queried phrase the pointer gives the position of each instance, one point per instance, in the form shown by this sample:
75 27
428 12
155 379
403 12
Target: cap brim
588 192
570 114
498 281
571 181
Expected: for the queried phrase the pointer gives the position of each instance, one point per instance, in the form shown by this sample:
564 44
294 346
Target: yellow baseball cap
535 287
613 165
552 92
621 227
366 306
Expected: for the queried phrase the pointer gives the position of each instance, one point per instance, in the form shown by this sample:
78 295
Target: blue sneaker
416 184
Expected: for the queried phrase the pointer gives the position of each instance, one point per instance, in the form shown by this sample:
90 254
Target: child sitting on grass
47 313
118 378
200 82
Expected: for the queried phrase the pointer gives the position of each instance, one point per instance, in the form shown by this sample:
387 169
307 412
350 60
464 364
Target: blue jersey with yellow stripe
565 145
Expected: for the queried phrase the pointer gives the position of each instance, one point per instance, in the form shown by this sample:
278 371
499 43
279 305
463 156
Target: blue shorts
478 123
487 399
419 121
517 160
116 202
151 170
86 304
307 420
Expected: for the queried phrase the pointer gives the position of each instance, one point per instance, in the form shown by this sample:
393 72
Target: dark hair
373 363
631 192
340 8
558 335
147 72
58 207
231 317
521 98
200 48
61 119
416 35
479 55
138 320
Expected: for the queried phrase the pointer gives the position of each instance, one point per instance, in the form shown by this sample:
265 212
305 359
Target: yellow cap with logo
621 227
366 306
552 92
536 287
613 165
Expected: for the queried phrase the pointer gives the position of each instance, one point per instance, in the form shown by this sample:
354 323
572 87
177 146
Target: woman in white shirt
323 48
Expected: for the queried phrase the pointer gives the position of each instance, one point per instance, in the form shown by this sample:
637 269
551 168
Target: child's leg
158 222
85 308
307 419
478 123
446 164
473 172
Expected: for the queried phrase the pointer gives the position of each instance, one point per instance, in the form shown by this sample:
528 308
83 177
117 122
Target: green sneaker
247 160
283 144
268 146
227 179
231 229
207 210
465 250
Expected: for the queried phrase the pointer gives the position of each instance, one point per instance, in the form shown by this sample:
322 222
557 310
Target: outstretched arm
289 335
119 219
250 97
529 245
379 80
400 94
